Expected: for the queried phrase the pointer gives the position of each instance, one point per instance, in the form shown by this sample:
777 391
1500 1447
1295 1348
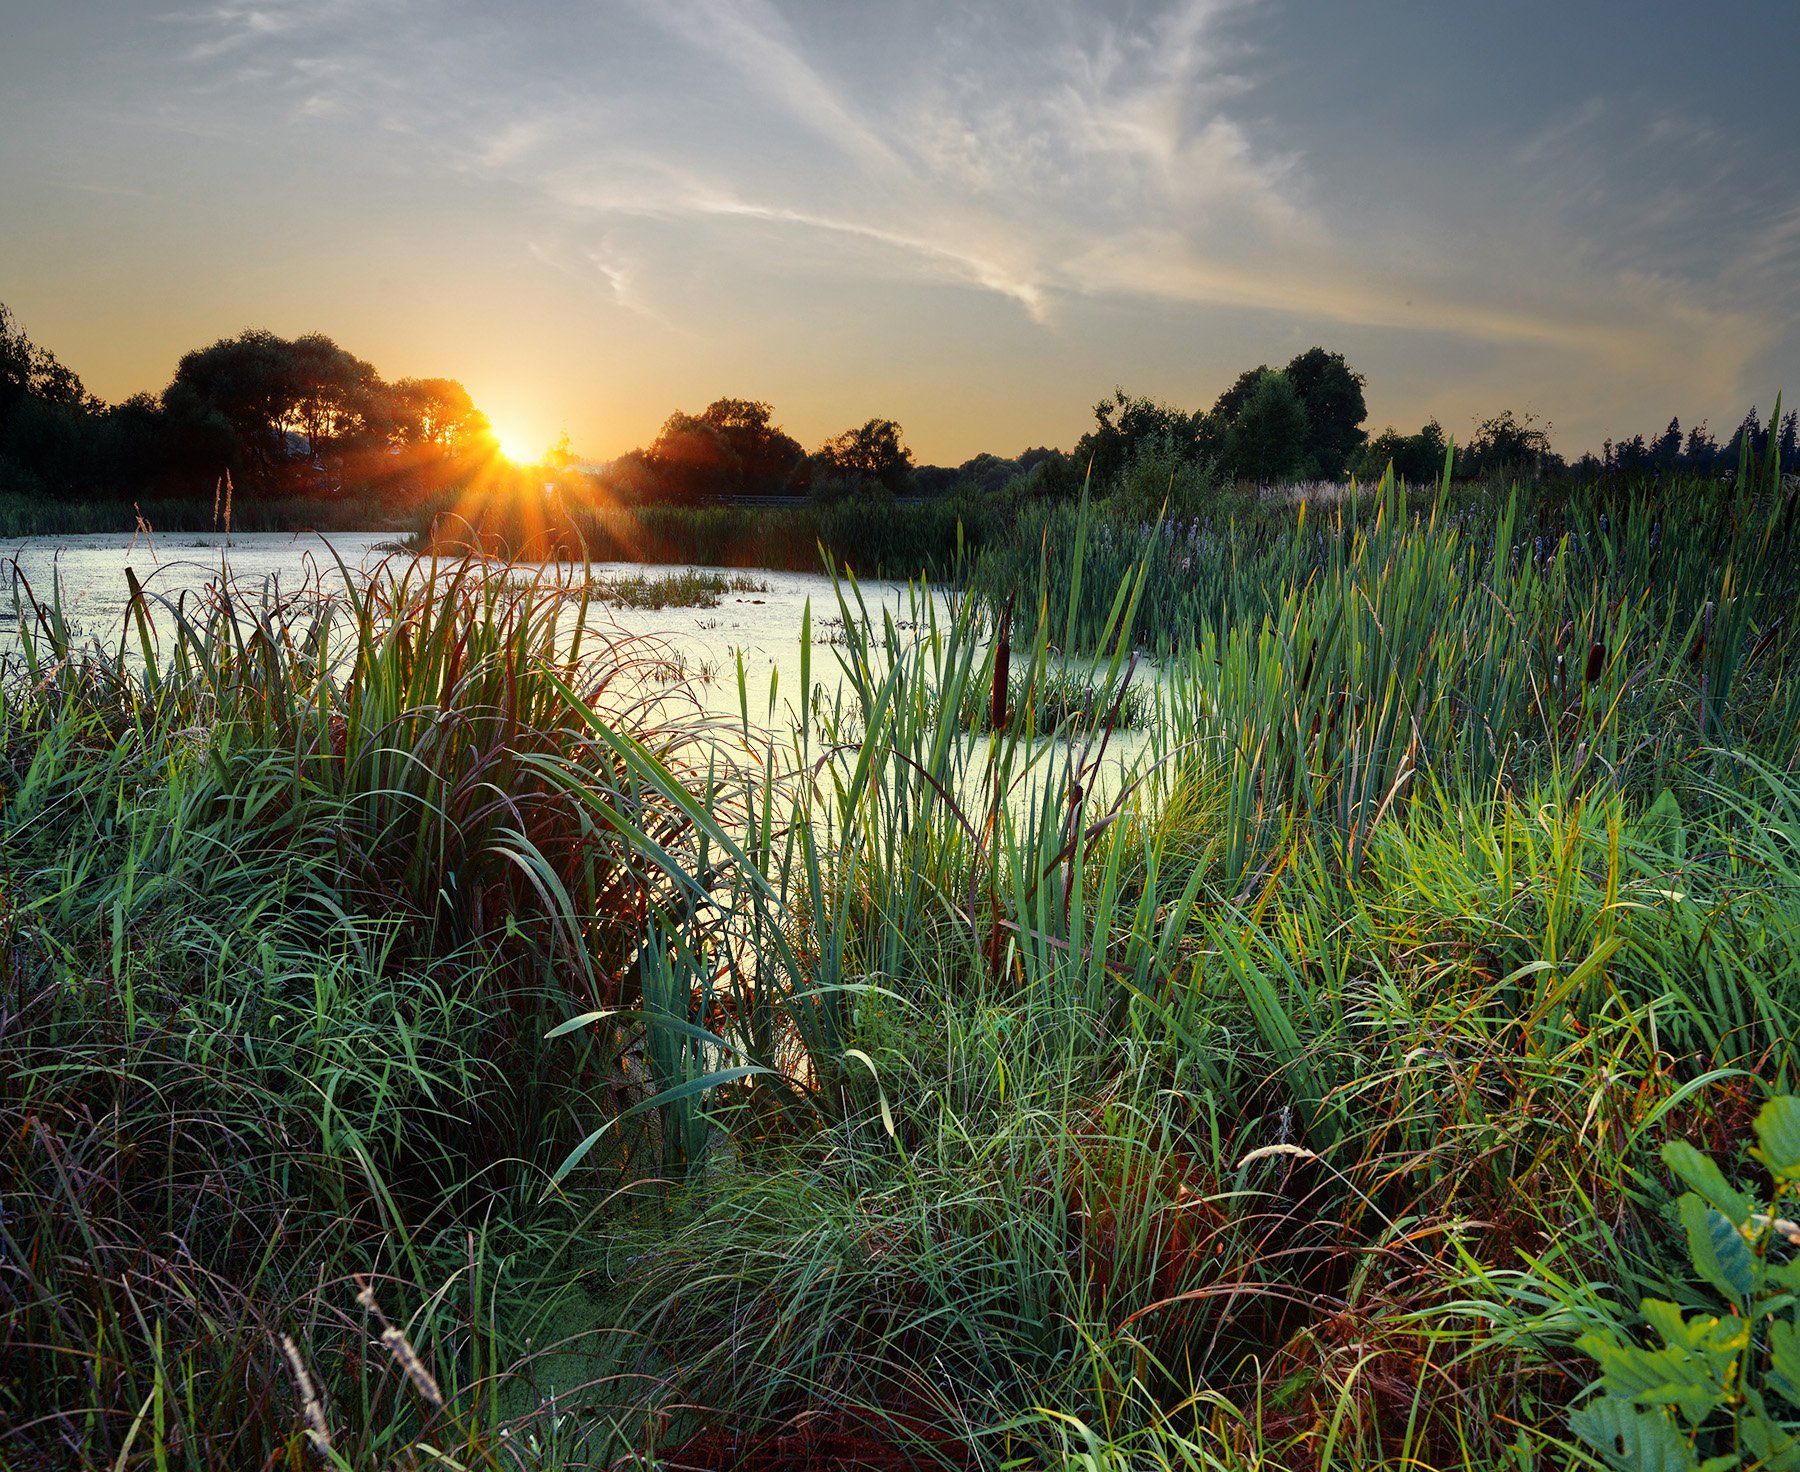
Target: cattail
1002 668
311 1410
218 490
1596 661
1697 651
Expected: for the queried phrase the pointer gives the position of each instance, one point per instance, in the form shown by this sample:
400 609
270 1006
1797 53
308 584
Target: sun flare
517 446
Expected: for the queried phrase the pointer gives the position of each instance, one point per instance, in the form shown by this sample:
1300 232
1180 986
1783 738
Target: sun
519 448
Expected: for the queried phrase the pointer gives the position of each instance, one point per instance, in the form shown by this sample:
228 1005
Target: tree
873 454
249 380
1702 450
768 458
436 412
1417 459
1332 394
336 398
30 371
1228 405
1515 445
694 459
1266 439
1750 435
1123 425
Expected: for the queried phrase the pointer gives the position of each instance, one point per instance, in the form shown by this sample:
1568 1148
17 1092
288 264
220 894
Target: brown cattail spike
997 712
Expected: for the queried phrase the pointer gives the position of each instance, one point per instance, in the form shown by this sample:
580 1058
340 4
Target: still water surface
762 627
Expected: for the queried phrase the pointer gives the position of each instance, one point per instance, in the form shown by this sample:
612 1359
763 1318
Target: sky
973 216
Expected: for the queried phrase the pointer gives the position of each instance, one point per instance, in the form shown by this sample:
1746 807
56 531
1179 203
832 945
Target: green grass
873 537
41 516
689 588
1281 1089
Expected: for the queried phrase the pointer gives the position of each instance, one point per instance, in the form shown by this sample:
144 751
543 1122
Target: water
762 627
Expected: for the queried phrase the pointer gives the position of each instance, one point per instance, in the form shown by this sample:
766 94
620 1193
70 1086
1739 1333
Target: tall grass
874 537
573 1081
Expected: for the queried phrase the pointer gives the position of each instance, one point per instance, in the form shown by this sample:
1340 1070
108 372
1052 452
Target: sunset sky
974 217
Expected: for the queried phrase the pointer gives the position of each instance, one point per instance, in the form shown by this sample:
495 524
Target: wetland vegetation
428 1038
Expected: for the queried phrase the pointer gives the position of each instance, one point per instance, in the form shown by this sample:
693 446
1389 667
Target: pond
759 624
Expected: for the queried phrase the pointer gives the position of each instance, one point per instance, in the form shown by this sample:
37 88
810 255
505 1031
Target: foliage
1159 479
1123 426
872 456
1721 1390
1331 394
1268 432
1416 459
1509 446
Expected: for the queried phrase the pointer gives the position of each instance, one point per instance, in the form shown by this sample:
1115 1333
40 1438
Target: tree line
733 450
308 418
300 416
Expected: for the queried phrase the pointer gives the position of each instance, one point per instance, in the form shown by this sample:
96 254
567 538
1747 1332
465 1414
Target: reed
425 1039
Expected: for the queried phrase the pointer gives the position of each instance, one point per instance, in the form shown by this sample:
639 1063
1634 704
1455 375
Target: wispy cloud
1049 154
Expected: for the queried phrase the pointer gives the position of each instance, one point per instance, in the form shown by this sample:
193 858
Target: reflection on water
763 627
700 646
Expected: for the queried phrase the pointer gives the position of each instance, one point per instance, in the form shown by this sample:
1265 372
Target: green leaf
1719 1254
1784 1360
1700 1172
1778 1132
1631 1439
1771 1444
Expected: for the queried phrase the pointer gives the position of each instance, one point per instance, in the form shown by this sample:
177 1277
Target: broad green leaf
1700 1172
1631 1439
1719 1254
1784 1360
1778 1133
1766 1439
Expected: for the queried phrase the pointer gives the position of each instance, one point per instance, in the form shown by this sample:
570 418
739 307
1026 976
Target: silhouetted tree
337 400
768 458
1512 444
1332 394
694 459
1417 458
1701 452
1665 454
436 412
249 380
1123 425
872 454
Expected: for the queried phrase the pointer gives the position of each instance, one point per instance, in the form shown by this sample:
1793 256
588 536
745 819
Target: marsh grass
689 588
888 1089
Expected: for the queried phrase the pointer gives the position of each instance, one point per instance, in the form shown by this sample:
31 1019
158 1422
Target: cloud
1046 153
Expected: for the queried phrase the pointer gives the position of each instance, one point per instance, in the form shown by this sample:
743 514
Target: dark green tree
1418 459
1266 440
1332 394
1517 446
874 454
1124 425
